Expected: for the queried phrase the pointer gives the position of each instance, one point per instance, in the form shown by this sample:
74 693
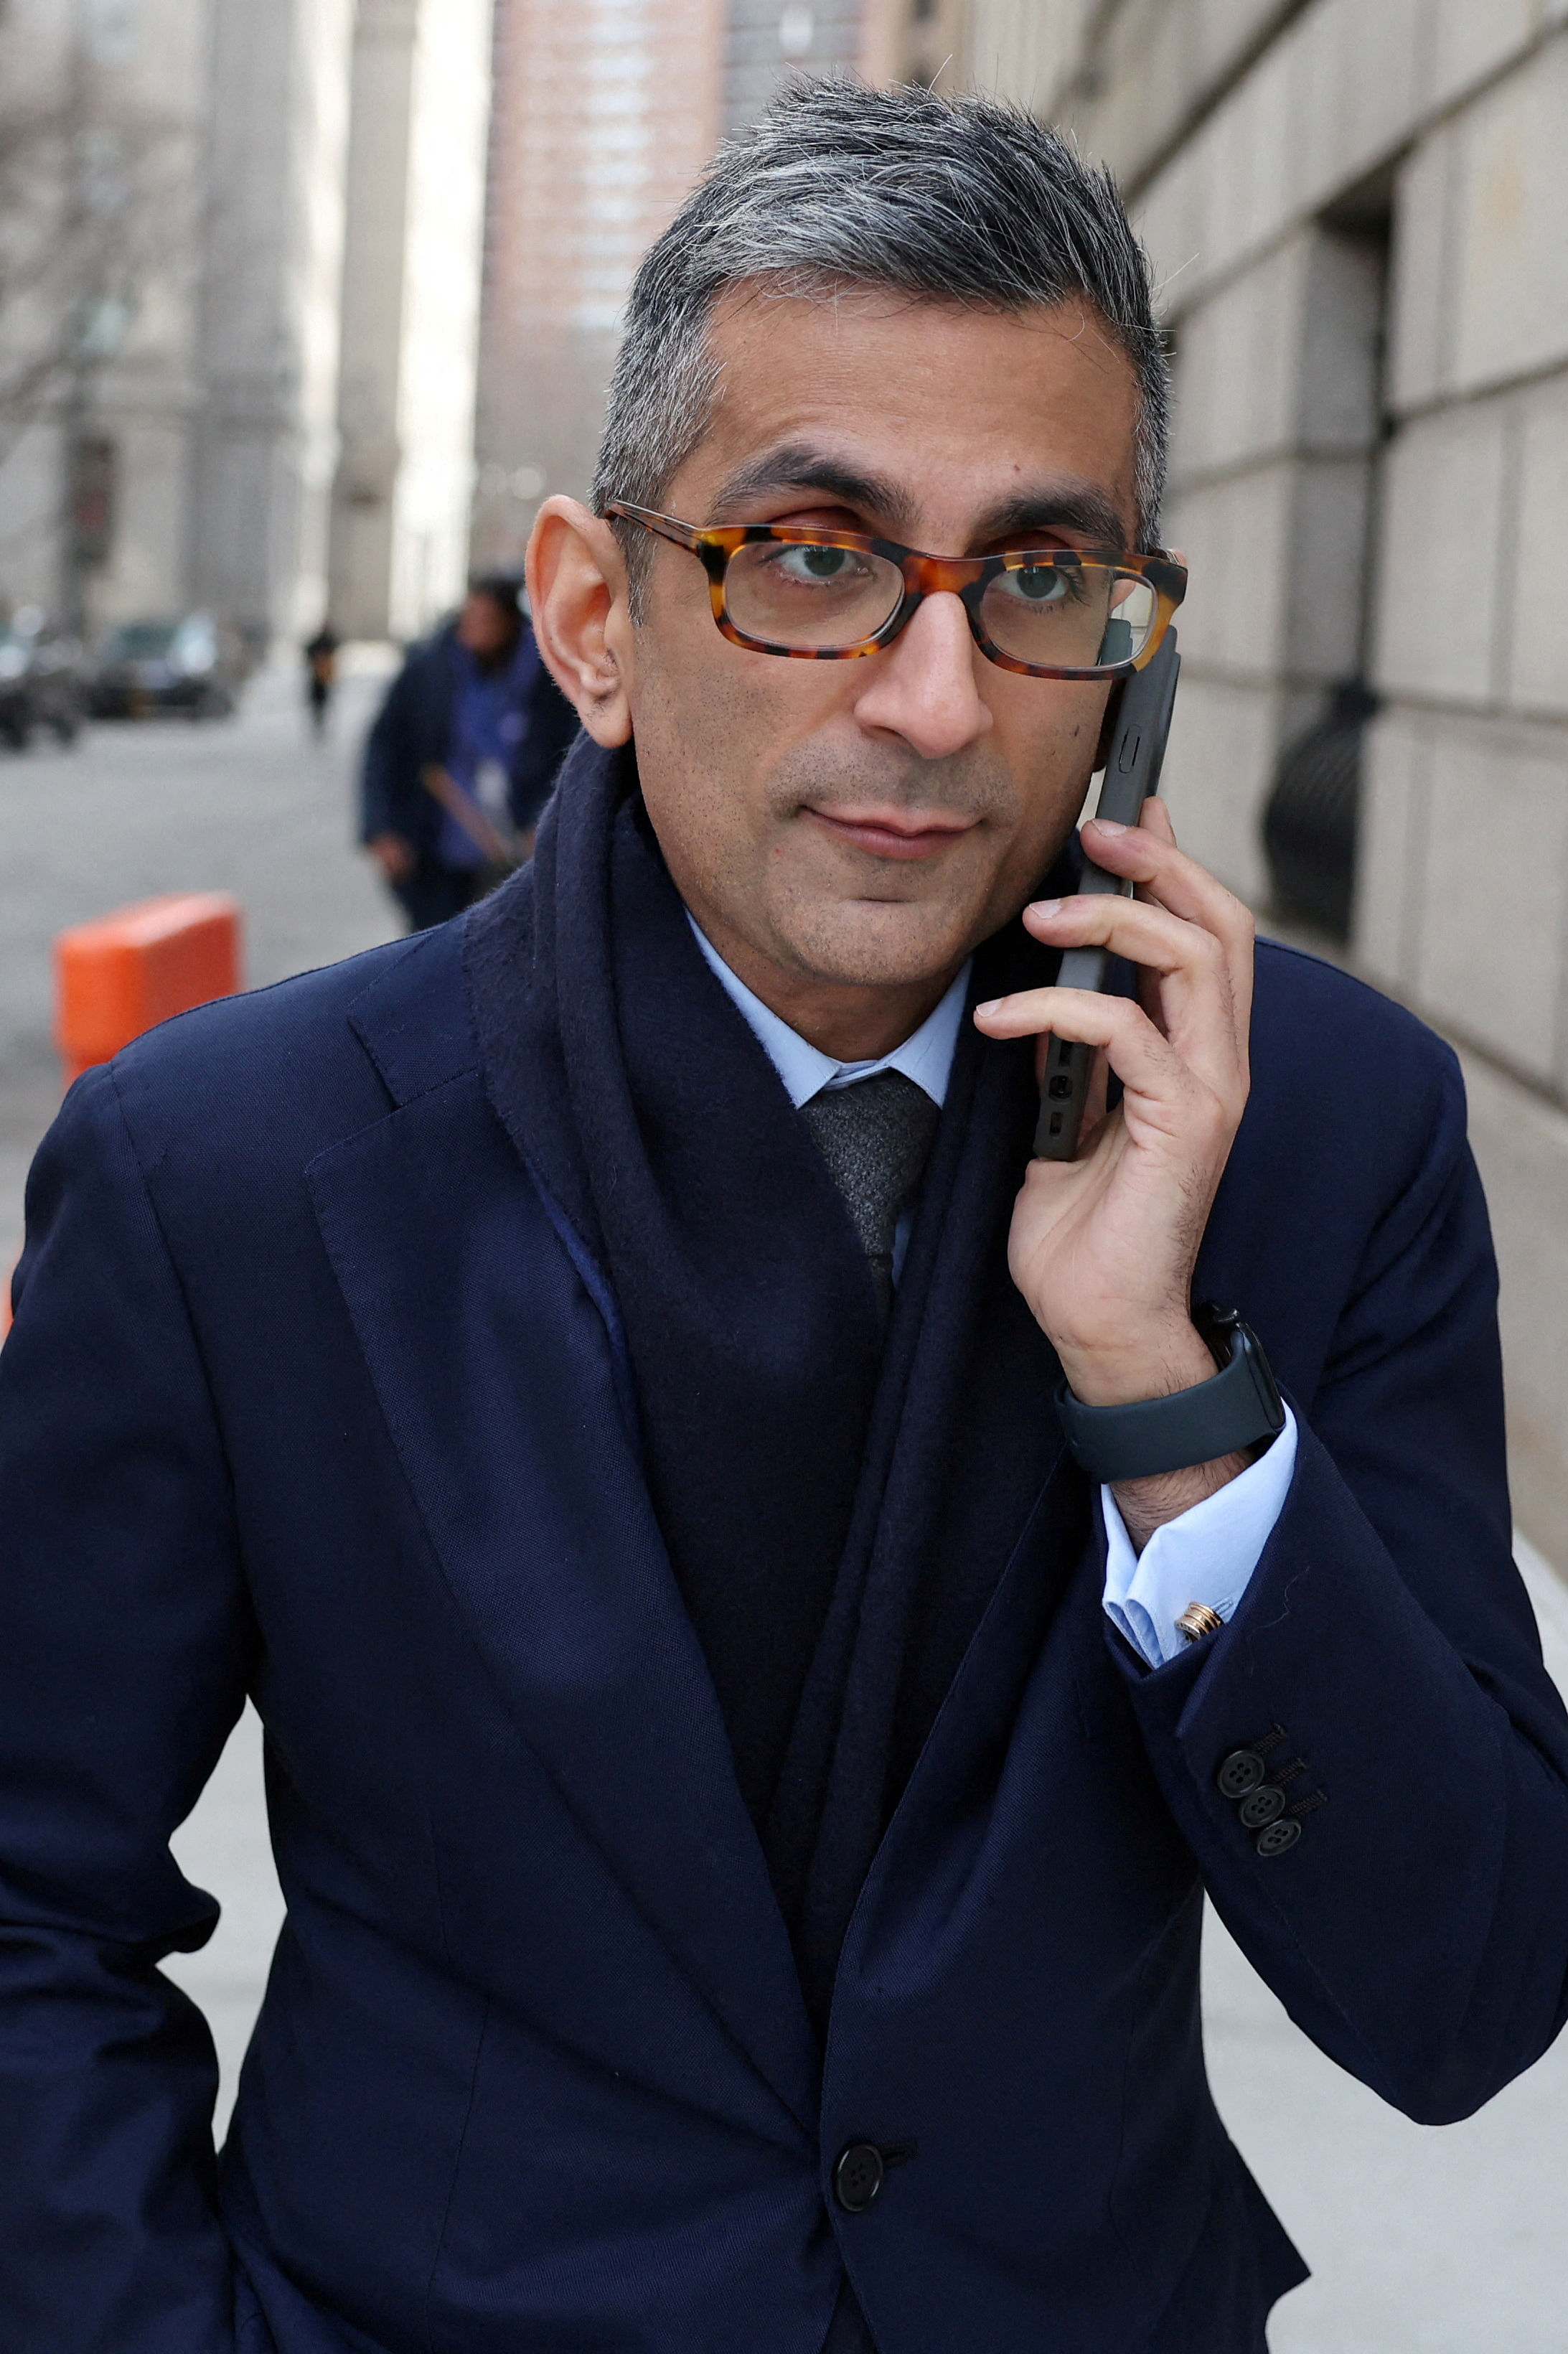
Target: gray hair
959 200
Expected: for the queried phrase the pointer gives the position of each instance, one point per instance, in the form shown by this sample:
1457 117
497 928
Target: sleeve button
1260 1806
858 2175
1274 1837
1242 1771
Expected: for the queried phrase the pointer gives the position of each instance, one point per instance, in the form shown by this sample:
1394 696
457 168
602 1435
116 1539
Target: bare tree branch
91 189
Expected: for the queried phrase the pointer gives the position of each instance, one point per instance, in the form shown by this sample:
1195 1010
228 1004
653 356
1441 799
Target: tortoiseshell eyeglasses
832 596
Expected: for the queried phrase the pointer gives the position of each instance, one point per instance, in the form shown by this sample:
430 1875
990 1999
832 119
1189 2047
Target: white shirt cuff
1205 1556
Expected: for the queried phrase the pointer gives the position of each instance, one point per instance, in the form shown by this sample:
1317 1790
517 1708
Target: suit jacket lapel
497 1376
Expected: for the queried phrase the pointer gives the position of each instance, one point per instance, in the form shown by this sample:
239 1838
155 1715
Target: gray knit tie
875 1136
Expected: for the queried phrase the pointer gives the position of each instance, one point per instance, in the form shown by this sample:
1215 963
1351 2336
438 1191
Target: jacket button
858 2176
1261 1806
1242 1771
1274 1837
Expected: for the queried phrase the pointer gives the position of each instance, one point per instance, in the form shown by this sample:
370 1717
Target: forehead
960 406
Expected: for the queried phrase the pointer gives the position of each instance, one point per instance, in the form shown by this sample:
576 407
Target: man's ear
577 591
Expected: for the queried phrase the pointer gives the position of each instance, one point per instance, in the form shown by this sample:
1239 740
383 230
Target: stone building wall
1357 211
911 40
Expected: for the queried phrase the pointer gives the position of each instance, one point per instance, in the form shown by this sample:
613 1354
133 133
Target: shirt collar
925 1057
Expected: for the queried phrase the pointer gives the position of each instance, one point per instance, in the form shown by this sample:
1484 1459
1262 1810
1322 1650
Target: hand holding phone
1132 768
1104 1247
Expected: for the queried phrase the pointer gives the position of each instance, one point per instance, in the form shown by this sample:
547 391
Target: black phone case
1131 773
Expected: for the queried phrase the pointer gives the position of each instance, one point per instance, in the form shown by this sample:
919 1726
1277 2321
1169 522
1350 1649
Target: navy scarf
838 1514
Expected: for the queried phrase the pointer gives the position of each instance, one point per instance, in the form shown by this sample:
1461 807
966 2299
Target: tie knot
875 1136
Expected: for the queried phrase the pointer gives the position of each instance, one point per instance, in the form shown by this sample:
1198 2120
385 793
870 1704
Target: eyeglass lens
815 598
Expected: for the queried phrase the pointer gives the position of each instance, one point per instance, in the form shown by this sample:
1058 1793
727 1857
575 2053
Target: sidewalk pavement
1423 2240
250 805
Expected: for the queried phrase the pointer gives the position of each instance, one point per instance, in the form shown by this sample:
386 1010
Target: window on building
93 469
1312 815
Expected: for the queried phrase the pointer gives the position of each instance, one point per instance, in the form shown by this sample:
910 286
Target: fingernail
989 1006
1046 908
1109 825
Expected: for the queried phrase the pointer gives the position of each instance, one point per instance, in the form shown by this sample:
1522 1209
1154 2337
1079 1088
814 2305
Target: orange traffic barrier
122 974
118 975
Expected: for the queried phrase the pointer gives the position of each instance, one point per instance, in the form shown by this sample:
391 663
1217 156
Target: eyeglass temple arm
666 526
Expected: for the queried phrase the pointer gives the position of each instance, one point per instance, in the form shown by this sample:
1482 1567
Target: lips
894 833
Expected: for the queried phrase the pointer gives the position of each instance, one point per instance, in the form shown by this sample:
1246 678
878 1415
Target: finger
1146 1064
1156 819
1185 982
1117 1025
1135 1048
1148 855
1140 930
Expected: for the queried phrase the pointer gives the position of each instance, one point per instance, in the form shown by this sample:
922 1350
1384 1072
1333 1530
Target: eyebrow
1071 504
799 467
1063 506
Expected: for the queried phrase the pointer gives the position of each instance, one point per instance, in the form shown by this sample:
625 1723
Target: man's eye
816 563
1042 584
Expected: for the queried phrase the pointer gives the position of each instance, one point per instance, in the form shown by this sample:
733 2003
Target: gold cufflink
1198 1620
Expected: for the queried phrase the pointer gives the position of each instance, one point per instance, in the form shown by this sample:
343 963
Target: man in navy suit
769 1606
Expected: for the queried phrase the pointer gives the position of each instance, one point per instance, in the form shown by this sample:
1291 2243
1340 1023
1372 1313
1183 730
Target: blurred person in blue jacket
462 757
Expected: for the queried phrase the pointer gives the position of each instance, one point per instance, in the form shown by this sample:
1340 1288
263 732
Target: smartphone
1138 731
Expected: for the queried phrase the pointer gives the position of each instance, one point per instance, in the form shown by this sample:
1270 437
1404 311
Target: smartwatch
1237 1409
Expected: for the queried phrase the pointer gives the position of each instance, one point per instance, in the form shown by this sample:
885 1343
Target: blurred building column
411 269
266 444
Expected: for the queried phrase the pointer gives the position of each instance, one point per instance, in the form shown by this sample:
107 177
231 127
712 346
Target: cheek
1049 735
702 736
1049 754
699 723
711 724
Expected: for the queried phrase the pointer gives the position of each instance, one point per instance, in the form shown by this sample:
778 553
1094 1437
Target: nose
924 686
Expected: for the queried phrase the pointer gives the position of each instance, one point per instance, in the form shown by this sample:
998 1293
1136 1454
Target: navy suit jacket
312 1393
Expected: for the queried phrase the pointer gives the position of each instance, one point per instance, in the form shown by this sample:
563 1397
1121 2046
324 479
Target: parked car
189 665
43 683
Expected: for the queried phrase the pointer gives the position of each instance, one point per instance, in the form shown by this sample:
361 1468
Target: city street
1422 2242
250 806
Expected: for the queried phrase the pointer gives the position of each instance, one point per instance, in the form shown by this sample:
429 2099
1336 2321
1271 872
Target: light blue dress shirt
1207 1554
925 1057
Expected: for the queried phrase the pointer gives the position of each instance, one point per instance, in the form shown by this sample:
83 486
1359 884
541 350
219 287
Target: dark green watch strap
1240 1407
